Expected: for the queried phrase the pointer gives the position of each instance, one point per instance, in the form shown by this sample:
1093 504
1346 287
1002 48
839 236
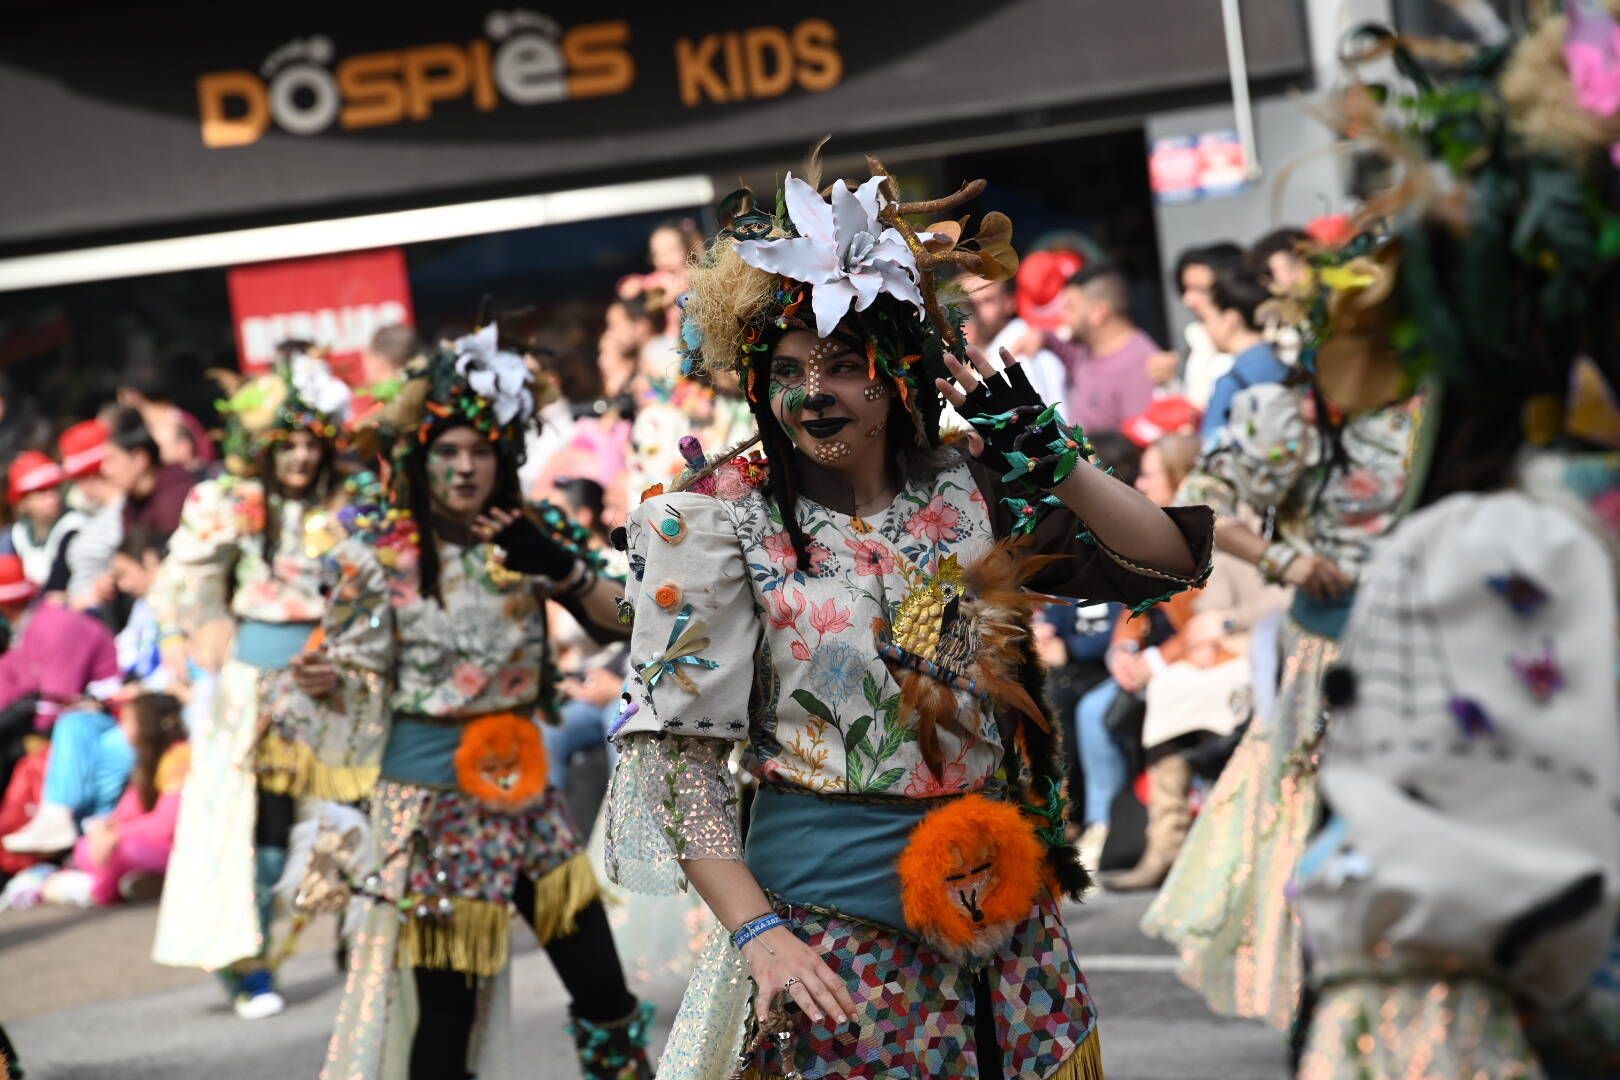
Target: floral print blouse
216 565
734 640
1328 500
480 652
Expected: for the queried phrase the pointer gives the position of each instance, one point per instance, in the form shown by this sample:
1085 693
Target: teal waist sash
1324 618
422 750
270 645
837 854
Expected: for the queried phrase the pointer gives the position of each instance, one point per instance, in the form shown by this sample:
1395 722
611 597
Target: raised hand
528 549
1022 434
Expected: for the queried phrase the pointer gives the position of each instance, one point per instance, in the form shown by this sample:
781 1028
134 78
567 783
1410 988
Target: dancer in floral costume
854 603
1325 459
248 550
1459 905
432 679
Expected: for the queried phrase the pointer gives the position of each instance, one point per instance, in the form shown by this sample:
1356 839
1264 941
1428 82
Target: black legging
586 961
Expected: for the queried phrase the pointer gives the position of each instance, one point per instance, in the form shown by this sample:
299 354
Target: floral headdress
1503 211
300 393
848 261
474 383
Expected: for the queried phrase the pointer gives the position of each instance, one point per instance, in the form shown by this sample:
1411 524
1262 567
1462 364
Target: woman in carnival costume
248 549
1323 459
855 604
1460 905
431 680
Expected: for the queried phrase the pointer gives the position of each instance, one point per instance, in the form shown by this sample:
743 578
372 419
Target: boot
617 1049
1169 815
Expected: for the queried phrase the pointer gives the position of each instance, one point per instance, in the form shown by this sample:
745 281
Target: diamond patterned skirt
916 1008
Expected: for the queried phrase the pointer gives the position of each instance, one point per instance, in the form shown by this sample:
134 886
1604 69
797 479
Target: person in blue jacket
1235 328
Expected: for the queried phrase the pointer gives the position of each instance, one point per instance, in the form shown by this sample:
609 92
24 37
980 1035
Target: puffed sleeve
695 636
1258 458
672 797
193 586
1085 567
332 746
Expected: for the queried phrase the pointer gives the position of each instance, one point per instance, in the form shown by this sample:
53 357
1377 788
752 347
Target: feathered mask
845 260
300 393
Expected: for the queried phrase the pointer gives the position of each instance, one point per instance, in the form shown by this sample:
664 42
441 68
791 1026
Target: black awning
124 121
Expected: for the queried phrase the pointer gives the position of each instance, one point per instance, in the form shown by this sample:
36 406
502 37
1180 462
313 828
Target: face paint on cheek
792 399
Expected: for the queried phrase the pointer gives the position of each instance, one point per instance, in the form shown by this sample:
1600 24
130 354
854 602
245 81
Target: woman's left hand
528 549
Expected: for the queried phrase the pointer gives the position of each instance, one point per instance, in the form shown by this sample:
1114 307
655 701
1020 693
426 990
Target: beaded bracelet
1275 560
752 929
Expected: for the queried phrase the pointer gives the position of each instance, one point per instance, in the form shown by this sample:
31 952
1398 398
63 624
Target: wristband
1274 562
752 929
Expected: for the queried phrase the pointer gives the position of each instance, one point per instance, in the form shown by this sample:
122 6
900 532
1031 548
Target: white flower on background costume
501 378
318 388
842 251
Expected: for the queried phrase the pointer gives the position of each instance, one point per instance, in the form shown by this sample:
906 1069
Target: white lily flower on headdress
318 388
500 378
842 252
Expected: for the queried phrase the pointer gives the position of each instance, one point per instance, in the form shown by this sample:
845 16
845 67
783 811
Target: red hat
1041 277
1165 416
31 471
83 446
15 588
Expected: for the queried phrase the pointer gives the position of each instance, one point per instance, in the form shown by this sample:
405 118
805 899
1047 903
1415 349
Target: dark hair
158 726
319 490
151 383
1116 451
582 493
578 379
1107 279
1238 288
641 308
508 495
140 539
1283 241
1214 256
128 432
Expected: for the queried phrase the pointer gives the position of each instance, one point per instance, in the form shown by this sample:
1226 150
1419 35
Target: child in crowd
123 854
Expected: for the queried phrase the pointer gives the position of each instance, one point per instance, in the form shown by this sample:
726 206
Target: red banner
336 301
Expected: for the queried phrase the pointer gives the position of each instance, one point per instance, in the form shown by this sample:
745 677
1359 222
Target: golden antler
994 260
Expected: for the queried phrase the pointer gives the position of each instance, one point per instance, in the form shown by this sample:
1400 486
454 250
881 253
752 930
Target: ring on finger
791 983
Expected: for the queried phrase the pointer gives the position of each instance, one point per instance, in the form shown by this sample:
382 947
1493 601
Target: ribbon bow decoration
686 640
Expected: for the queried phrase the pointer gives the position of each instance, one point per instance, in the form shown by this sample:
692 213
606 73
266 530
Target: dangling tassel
1085 1063
285 767
561 895
472 939
614 1049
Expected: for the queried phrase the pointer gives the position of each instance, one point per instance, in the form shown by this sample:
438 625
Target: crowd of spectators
92 738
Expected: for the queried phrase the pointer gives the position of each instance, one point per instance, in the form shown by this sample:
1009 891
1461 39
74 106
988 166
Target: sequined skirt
1224 905
1416 1029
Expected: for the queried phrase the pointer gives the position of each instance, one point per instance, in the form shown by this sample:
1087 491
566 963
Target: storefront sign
160 120
1186 167
337 301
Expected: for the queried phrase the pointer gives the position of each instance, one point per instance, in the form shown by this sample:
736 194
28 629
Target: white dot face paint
829 400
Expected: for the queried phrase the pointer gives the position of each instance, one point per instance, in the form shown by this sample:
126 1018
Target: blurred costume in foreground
909 825
1460 905
1324 458
439 639
247 551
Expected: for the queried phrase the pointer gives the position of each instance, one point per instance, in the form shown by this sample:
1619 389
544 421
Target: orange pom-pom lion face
969 876
501 762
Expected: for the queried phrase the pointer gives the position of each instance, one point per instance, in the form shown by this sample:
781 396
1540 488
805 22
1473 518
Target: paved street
83 1002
